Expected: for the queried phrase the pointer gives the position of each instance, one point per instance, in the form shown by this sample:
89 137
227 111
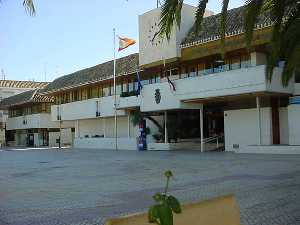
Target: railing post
217 142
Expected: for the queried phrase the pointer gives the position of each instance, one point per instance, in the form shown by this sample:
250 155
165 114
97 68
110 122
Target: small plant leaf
174 204
153 214
165 215
168 174
158 197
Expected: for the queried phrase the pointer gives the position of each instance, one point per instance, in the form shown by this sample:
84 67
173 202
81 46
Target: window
44 107
130 86
157 78
297 76
75 96
111 89
95 92
246 62
201 69
192 71
100 91
89 93
235 63
83 94
143 82
118 89
106 90
67 96
153 80
125 86
185 72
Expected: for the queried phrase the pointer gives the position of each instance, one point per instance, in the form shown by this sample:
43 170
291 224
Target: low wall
270 149
105 143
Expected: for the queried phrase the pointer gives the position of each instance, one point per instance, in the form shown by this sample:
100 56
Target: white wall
105 143
91 127
258 58
294 124
128 102
148 26
169 99
106 126
241 128
284 125
85 109
276 84
297 89
66 138
42 120
21 138
234 82
52 139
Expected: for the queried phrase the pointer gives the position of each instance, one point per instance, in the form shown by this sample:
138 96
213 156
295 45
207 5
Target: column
128 129
258 119
201 129
166 129
59 144
77 132
104 127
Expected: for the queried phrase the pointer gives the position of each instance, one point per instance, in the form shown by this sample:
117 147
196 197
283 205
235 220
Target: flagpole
115 94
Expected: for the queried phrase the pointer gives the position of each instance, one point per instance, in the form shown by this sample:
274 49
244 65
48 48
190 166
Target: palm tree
285 41
29 6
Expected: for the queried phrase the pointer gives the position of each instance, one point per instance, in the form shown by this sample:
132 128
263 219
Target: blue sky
68 35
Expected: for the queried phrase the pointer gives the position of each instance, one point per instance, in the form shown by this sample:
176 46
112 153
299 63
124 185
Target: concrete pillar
36 138
201 129
77 132
258 119
128 129
59 144
104 127
166 128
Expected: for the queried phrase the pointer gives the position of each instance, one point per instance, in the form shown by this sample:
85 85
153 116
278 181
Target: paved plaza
83 187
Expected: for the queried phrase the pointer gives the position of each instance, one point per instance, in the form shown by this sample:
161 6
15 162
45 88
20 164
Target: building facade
9 88
192 97
29 122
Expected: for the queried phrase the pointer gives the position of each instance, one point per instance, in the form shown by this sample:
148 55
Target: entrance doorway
30 140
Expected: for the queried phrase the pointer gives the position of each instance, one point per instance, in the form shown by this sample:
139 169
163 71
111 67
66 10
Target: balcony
41 120
86 109
129 102
234 82
219 84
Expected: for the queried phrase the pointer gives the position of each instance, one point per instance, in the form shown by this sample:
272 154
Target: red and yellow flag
125 43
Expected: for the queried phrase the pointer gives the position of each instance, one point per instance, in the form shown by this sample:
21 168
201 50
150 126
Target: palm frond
290 44
170 14
29 7
291 65
223 24
252 10
199 15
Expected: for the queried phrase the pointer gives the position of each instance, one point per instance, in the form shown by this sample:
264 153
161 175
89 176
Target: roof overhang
232 42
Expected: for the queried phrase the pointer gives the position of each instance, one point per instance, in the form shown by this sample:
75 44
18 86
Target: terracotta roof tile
234 25
125 65
32 96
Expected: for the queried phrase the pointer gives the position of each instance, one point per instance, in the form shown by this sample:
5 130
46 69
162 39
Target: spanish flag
125 43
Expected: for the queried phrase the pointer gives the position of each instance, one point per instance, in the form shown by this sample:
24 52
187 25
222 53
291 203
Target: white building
29 121
9 88
210 102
